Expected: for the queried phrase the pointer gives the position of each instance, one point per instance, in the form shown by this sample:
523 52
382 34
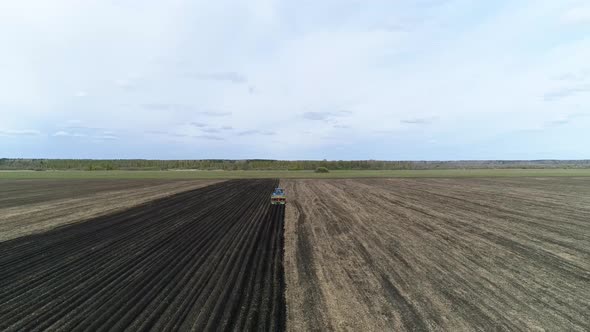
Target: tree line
262 164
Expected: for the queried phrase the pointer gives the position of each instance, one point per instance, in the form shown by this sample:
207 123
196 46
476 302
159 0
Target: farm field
438 254
203 258
29 206
376 254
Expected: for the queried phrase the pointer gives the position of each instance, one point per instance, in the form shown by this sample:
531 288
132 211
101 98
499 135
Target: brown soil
31 206
438 254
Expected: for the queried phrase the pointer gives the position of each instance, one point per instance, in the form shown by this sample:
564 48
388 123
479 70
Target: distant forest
258 164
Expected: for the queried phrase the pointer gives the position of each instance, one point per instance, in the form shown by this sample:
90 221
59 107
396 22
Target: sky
334 79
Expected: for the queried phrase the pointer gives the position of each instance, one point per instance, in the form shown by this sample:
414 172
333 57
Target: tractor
278 197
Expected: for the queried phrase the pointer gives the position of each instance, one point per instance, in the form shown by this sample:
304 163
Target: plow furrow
205 259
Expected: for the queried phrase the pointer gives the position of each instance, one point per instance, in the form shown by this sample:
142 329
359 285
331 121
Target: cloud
324 116
183 108
419 121
157 106
81 94
63 133
165 133
155 132
566 92
392 27
87 128
77 125
184 135
210 130
210 137
248 132
560 122
320 116
256 132
577 15
207 128
166 107
125 84
579 76
383 132
566 119
20 132
378 62
105 137
430 3
232 77
214 113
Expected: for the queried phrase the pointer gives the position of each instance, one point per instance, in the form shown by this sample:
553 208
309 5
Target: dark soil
206 259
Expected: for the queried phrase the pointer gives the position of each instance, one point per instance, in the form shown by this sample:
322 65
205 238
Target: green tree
322 170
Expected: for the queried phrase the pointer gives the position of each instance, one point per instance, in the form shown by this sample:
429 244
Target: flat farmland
30 206
204 259
438 254
378 254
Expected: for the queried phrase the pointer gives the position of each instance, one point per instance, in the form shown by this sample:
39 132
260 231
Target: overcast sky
337 79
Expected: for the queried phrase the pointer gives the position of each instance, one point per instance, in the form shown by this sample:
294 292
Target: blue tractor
278 197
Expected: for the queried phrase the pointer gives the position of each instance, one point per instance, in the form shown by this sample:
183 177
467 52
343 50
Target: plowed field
438 254
202 259
32 206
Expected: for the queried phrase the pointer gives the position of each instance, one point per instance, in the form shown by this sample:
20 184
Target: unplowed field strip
25 192
210 258
438 254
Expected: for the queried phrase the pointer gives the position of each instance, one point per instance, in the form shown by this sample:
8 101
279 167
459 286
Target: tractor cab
278 197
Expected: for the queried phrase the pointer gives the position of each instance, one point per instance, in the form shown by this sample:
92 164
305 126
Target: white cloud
20 132
291 68
577 15
62 133
106 137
